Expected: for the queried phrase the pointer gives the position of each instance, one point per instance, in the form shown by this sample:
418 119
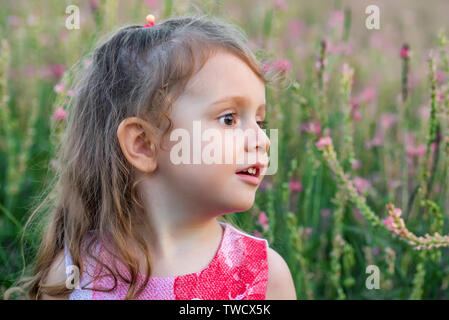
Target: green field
366 195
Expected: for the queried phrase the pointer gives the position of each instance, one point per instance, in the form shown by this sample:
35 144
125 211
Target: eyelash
262 126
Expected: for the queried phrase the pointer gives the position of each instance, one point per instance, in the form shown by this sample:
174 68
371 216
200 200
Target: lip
258 165
254 180
250 179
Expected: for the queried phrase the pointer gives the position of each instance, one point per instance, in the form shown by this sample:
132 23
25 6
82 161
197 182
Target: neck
175 226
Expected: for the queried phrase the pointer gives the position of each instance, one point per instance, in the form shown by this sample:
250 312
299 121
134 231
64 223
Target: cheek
213 172
232 148
237 144
194 176
208 177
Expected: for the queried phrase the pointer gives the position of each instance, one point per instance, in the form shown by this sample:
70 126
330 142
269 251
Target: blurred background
380 95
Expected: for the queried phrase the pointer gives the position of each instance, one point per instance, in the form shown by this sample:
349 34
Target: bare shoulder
56 275
280 282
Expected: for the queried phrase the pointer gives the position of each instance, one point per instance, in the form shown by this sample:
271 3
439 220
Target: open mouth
253 171
250 175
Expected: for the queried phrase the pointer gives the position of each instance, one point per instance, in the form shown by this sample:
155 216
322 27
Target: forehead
224 74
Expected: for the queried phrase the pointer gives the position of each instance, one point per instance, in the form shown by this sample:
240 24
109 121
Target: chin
238 204
243 204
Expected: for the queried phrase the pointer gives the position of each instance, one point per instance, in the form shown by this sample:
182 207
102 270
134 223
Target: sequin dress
239 271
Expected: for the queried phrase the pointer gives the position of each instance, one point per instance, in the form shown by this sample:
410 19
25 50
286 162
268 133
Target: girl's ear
137 144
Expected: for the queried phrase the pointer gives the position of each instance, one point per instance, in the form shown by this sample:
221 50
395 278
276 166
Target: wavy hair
138 72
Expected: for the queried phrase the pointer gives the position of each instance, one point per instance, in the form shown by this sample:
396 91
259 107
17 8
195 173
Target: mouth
252 174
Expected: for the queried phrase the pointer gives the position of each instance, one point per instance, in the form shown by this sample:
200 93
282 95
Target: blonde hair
136 72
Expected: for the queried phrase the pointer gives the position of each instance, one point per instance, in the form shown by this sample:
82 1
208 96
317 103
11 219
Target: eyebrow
239 100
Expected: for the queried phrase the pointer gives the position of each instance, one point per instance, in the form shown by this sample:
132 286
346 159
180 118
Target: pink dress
239 271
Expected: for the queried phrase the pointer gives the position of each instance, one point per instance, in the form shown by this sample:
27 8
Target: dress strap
85 281
68 260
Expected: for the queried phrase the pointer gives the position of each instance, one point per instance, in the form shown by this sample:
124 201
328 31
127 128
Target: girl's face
224 97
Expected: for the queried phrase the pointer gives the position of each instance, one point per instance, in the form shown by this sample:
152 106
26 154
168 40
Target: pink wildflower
393 184
308 231
151 3
440 96
311 126
336 18
341 48
354 101
416 151
357 215
283 65
325 212
412 149
87 62
355 164
263 221
14 21
355 114
368 94
441 76
60 87
257 234
45 39
264 185
323 142
295 27
377 141
266 66
405 52
433 146
387 120
389 222
31 20
348 72
281 4
94 4
397 211
295 186
361 184
60 114
57 70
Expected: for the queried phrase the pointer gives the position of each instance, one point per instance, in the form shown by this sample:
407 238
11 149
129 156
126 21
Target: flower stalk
394 222
346 88
297 239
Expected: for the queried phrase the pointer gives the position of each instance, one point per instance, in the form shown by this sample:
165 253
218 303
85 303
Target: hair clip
150 19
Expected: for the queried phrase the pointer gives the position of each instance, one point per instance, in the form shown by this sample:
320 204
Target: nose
257 139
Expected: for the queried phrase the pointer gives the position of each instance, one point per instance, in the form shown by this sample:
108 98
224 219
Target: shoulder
56 275
280 282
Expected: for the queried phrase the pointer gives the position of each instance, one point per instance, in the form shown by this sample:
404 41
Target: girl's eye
262 124
229 119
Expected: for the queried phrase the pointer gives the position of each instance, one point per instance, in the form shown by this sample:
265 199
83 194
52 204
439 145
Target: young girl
129 222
